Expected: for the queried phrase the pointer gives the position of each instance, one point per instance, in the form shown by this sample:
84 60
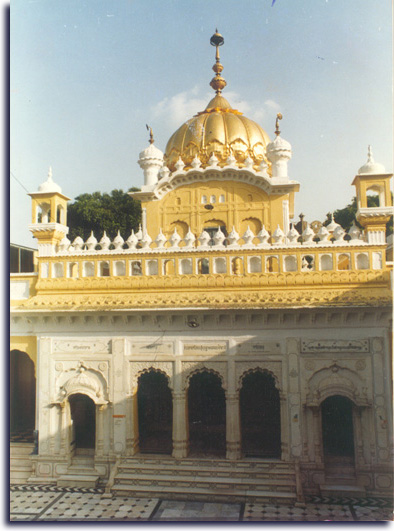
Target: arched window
237 266
255 264
290 263
58 270
343 262
212 199
119 268
307 263
362 261
169 267
152 267
326 263
220 265
204 200
186 266
272 264
88 269
104 269
72 270
221 198
136 268
203 266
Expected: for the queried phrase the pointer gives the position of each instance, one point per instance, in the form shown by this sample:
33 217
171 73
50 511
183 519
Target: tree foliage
100 212
347 216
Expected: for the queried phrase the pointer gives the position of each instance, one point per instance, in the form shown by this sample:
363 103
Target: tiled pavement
46 503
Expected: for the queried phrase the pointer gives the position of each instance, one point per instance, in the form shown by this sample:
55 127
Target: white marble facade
311 354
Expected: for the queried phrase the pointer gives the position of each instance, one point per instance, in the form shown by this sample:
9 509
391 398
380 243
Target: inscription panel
206 348
95 346
258 347
337 345
154 347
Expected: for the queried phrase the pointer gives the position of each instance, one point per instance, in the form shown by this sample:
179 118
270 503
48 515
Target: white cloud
182 106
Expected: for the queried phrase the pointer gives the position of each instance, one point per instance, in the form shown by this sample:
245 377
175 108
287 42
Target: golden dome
219 129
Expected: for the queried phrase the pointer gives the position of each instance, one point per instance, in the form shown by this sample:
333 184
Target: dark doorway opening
207 415
260 416
154 413
337 428
83 415
22 397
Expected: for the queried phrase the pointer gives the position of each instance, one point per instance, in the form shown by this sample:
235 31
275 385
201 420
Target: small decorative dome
371 166
49 186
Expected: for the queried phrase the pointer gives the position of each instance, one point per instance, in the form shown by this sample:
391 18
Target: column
284 427
63 429
100 412
180 427
132 435
233 427
316 434
357 436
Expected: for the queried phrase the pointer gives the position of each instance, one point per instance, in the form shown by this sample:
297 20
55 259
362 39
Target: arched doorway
22 397
337 429
154 413
260 416
83 415
207 415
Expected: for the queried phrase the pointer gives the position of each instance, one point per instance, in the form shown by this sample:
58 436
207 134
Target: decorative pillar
132 435
180 435
316 434
233 427
358 441
100 411
63 429
284 427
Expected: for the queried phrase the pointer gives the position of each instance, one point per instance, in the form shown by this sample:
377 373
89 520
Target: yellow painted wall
26 344
243 205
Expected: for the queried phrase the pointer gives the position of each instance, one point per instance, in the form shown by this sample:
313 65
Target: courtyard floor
50 503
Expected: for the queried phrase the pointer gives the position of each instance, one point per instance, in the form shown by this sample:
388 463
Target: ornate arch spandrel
274 369
337 380
83 380
138 368
189 368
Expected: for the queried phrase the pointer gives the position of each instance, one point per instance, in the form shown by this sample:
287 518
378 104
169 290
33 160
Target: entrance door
22 397
260 416
337 427
154 413
83 415
207 415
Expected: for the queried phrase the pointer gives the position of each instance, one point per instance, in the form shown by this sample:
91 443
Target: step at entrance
20 464
81 473
206 479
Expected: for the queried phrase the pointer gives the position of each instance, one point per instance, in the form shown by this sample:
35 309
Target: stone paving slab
51 503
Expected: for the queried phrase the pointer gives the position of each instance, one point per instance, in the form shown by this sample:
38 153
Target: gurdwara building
217 352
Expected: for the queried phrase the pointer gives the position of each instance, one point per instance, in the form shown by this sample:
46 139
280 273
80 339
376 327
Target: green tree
100 212
346 216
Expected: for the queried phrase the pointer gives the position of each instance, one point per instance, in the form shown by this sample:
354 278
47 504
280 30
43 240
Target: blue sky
86 76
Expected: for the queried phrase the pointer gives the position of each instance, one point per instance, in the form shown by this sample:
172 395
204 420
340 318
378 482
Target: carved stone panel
71 345
138 367
338 345
191 367
273 367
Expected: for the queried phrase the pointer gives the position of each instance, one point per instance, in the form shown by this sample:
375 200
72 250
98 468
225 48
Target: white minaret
279 153
151 160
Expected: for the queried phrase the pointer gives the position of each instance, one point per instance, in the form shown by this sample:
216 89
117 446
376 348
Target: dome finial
151 139
218 82
278 117
370 154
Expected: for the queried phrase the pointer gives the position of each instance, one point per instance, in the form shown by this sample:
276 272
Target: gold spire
218 82
278 117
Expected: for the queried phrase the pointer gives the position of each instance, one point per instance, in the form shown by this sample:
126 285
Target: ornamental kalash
218 353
